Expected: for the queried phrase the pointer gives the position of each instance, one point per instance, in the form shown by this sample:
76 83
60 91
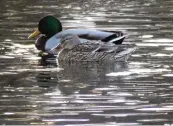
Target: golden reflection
169 48
147 36
7 40
140 71
159 40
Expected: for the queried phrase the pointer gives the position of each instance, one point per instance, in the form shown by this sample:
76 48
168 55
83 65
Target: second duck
71 49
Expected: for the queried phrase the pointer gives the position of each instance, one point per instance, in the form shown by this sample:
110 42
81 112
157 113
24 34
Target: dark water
37 91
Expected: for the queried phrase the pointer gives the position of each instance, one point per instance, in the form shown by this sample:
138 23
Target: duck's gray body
84 34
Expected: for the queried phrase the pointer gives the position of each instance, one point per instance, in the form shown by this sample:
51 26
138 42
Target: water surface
35 90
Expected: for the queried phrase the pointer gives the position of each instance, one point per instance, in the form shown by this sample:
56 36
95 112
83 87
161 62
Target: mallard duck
71 49
51 29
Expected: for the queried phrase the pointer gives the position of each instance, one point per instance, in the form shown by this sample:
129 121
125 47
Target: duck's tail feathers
117 40
125 54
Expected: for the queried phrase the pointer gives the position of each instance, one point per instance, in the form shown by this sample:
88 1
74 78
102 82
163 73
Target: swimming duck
51 30
71 49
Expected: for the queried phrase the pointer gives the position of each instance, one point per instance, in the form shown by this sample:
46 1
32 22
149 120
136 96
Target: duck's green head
48 26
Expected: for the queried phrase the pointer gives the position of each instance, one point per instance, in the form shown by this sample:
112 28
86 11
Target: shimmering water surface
35 90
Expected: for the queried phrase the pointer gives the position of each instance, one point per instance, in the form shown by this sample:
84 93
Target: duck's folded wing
118 49
86 33
105 48
91 34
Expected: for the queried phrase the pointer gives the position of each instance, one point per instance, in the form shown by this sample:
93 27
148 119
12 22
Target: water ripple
38 91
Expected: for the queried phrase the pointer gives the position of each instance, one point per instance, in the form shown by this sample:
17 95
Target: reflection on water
37 90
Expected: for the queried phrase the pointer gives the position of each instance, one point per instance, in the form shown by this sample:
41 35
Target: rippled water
35 90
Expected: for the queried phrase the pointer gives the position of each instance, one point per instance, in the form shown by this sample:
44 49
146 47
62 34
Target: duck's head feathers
48 26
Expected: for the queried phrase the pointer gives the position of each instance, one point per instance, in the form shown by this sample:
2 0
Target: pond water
34 90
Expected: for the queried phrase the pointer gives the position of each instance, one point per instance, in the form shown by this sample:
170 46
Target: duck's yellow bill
34 34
